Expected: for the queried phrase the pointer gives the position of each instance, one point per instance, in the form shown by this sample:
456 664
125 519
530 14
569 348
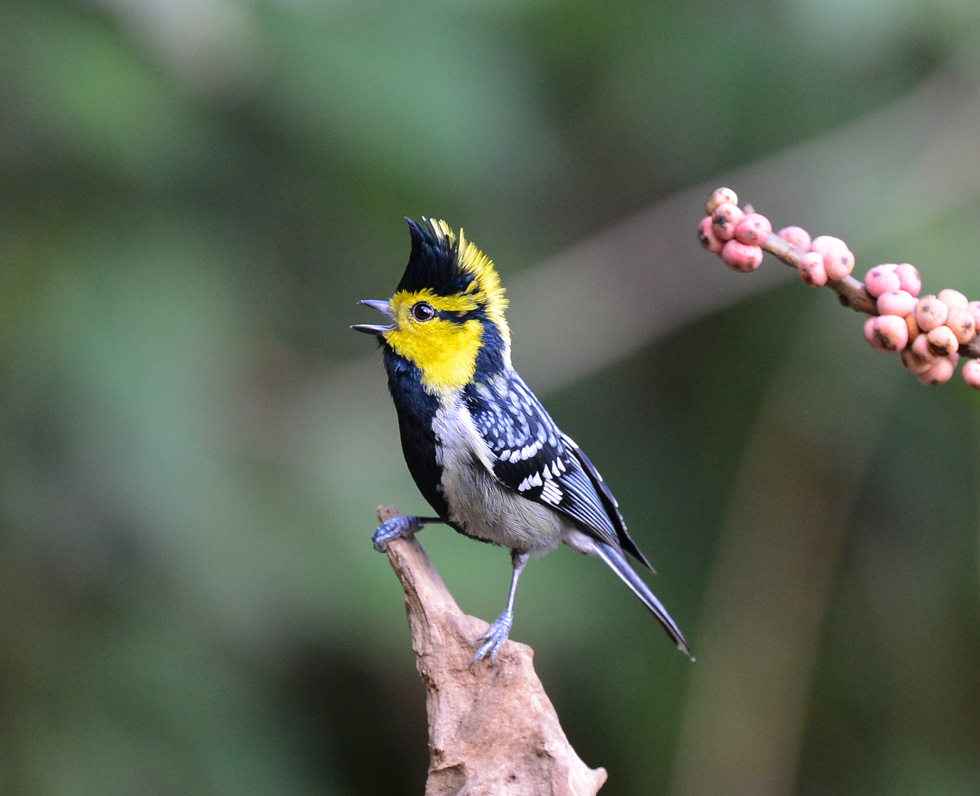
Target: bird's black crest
434 262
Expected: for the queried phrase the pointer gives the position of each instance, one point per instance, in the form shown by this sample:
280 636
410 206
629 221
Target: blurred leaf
193 196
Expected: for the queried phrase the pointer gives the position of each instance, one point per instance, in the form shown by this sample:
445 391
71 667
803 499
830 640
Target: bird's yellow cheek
444 351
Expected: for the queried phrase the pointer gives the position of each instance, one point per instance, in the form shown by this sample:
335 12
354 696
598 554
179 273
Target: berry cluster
930 332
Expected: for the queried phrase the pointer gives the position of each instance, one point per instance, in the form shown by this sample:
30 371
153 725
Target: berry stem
851 292
931 333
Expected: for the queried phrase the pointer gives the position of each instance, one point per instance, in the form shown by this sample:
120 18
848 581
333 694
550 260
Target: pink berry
741 256
971 373
707 236
974 309
930 312
908 275
720 196
962 323
920 348
942 341
882 279
797 236
953 299
837 258
839 264
886 333
812 270
825 243
914 362
754 228
939 372
896 302
724 220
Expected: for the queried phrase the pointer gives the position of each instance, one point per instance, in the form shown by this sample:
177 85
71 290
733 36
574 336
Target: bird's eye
422 311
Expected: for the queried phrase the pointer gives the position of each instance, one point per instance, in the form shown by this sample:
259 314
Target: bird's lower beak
376 329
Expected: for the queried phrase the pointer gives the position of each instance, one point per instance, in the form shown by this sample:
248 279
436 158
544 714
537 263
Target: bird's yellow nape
485 288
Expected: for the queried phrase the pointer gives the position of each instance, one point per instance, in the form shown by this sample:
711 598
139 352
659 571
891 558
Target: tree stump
492 729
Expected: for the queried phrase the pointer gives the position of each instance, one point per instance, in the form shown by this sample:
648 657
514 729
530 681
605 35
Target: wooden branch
492 729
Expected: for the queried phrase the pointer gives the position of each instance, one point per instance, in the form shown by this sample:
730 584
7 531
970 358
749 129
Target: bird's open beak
376 329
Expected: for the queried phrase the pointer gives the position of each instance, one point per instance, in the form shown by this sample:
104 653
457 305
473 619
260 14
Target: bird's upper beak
376 329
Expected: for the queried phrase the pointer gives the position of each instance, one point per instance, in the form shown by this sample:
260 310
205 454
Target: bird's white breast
478 503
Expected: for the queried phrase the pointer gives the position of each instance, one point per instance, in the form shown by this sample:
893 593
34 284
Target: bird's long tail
618 563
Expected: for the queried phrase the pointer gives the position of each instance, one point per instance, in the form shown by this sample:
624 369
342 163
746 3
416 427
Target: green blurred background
194 195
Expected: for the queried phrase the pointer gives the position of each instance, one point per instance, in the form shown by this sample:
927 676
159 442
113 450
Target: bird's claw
395 528
494 638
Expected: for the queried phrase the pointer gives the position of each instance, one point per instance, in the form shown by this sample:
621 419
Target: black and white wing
534 457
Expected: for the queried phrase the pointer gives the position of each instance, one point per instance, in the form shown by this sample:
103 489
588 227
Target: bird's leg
498 632
396 528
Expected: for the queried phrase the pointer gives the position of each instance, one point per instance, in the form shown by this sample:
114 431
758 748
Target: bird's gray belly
483 508
479 504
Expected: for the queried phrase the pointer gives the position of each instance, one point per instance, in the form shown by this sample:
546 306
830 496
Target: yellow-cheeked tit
482 449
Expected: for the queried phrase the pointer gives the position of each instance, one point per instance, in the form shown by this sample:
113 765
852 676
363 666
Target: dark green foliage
193 196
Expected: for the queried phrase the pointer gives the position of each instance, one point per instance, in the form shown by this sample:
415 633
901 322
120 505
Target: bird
482 450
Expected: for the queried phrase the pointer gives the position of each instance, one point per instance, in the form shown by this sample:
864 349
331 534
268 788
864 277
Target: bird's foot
494 638
395 528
